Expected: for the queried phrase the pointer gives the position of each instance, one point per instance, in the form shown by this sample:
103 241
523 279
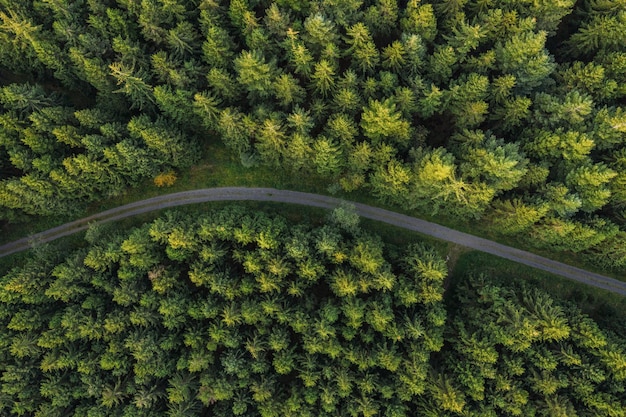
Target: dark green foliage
520 352
509 111
435 105
68 157
235 312
222 313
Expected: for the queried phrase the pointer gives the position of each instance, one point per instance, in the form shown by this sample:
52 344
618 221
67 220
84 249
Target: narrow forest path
316 200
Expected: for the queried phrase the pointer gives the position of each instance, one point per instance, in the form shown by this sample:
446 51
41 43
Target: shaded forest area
234 312
507 112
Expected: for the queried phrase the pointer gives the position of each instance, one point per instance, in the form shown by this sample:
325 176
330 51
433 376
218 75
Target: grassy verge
292 212
603 306
219 167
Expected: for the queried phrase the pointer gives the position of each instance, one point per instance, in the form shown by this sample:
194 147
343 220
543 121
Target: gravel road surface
316 200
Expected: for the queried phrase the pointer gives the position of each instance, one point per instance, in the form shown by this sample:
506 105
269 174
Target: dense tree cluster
518 352
506 111
232 312
60 158
239 313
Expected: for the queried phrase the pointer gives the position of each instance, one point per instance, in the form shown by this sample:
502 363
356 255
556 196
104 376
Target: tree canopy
520 99
235 312
507 113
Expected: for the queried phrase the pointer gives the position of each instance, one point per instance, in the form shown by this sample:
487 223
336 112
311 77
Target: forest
509 113
241 312
506 114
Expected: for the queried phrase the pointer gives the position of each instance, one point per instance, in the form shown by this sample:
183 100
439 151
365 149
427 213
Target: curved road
316 200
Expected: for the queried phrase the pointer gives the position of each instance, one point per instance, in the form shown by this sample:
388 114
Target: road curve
316 200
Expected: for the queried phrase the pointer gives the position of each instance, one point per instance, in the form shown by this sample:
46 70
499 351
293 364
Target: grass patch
218 167
61 246
606 308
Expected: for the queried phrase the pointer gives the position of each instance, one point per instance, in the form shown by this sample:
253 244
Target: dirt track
316 200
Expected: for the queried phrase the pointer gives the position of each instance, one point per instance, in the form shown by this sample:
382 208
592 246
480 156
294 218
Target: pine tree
419 19
381 121
327 156
512 113
233 130
176 104
590 182
254 74
205 105
319 30
560 200
218 48
322 79
390 183
464 38
394 57
133 84
514 216
342 128
525 57
271 142
365 55
602 32
382 17
288 91
168 142
182 40
499 165
442 64
569 145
